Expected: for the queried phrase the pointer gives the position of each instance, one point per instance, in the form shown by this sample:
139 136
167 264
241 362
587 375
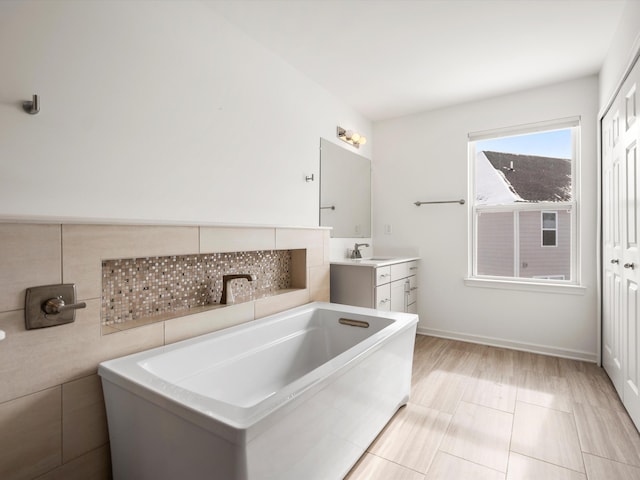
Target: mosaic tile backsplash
137 288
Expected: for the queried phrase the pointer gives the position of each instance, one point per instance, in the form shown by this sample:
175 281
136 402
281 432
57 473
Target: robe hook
32 106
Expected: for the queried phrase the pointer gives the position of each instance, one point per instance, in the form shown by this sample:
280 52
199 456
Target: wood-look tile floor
479 412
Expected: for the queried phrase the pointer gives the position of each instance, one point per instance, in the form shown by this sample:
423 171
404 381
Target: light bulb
362 140
348 134
355 137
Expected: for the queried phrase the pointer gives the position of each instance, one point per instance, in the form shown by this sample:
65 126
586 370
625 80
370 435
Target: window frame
573 284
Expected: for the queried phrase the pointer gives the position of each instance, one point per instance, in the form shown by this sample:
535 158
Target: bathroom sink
371 260
375 261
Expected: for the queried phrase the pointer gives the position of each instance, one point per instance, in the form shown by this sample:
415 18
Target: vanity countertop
374 262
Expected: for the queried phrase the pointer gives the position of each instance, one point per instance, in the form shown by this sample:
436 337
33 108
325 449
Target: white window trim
573 286
527 285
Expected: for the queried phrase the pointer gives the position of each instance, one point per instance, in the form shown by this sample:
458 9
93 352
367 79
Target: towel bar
461 202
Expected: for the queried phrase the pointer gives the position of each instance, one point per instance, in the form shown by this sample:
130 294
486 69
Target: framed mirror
345 191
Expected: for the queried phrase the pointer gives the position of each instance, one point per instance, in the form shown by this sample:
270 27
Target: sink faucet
356 253
226 290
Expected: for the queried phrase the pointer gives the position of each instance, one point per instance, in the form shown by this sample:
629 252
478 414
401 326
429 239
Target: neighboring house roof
492 188
533 178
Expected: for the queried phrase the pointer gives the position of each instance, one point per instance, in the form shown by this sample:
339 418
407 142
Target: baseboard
501 342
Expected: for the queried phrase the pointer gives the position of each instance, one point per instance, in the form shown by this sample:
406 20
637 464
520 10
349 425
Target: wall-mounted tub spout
227 295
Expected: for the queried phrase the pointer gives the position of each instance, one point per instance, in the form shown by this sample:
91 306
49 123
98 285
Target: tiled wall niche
52 417
142 290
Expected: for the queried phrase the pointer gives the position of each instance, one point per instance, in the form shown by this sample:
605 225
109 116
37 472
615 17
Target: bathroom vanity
383 283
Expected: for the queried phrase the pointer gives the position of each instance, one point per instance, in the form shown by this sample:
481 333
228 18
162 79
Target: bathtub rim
127 373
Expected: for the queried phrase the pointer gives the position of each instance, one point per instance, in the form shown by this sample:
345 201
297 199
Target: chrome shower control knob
615 261
629 265
57 305
53 305
45 306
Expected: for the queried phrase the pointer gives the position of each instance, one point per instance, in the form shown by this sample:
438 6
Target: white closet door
629 140
621 244
612 202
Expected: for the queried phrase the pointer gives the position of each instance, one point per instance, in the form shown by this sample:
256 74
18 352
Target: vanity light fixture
351 137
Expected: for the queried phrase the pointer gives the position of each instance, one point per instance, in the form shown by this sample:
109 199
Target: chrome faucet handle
45 306
56 305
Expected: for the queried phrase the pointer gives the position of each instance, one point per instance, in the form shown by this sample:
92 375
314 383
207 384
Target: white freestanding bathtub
297 395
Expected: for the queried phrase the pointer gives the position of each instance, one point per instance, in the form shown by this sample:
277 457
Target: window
524 211
549 229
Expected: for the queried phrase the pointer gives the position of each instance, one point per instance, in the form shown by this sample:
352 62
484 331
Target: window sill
568 289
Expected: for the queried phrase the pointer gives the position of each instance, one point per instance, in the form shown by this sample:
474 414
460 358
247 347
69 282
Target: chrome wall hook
310 178
32 106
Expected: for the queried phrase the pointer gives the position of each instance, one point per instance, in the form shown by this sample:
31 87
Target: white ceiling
388 58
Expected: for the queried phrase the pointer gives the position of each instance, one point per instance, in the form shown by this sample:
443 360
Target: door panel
612 329
631 394
612 254
621 252
631 274
629 204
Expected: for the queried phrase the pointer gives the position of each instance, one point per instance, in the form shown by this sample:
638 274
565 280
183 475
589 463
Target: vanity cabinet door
383 297
413 289
399 290
412 268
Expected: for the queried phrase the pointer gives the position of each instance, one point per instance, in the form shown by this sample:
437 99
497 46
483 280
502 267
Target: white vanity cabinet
389 284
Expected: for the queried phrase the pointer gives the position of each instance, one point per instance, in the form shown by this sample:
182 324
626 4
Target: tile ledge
151 320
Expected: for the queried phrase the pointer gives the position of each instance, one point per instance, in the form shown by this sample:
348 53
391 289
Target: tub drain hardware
354 323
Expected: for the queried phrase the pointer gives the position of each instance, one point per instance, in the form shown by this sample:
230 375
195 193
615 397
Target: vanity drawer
383 275
383 297
403 270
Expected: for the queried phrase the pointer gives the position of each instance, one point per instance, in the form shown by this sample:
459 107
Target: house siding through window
539 261
495 246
